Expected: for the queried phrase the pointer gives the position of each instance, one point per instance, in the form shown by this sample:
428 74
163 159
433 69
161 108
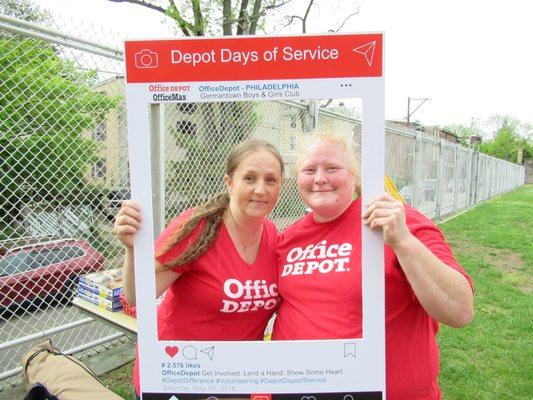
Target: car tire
69 289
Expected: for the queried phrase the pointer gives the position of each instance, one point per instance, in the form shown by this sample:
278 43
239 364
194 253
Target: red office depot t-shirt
325 303
319 277
218 296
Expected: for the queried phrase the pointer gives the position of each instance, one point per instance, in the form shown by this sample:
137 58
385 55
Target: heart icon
172 350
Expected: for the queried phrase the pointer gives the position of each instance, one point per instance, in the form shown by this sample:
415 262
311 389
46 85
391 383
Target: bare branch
272 6
141 3
245 18
291 19
344 22
304 19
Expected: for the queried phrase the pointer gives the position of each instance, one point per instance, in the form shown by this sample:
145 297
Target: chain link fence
64 172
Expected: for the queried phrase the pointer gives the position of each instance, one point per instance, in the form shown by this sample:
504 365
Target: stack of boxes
102 288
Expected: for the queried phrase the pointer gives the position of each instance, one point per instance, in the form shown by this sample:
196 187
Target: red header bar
254 58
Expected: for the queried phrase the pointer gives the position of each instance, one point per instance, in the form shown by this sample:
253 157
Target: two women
319 266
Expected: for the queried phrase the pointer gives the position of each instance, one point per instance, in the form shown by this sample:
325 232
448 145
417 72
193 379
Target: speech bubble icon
189 352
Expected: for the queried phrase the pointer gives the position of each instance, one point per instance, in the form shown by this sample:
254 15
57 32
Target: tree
503 122
45 105
198 18
242 17
26 10
508 142
504 146
464 133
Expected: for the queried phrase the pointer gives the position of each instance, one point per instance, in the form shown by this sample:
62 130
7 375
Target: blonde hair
347 146
212 211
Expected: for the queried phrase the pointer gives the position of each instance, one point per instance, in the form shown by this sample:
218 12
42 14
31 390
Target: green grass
120 382
492 358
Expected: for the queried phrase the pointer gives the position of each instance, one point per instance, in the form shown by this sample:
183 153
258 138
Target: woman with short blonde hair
319 270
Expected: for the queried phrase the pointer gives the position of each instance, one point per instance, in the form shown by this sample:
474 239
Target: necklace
242 246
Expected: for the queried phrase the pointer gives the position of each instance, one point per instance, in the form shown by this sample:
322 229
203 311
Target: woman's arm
444 292
127 223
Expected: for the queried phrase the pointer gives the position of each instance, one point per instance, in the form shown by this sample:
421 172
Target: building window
99 133
99 169
186 127
187 108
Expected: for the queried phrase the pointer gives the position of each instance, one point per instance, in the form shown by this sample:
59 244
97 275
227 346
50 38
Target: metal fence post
468 178
417 173
313 110
473 178
497 189
440 180
157 153
481 178
489 178
456 178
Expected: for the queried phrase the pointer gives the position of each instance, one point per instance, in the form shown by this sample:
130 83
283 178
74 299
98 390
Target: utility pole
420 100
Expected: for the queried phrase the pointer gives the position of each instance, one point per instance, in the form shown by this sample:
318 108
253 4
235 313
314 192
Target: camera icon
146 59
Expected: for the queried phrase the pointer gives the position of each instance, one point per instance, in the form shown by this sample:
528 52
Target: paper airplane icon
367 50
209 351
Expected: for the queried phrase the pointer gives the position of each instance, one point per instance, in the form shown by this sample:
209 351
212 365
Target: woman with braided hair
217 261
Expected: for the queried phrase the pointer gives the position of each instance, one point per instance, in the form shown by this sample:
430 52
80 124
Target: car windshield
24 261
44 257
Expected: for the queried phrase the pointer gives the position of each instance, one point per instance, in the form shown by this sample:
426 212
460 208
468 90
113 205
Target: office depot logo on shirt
317 258
249 296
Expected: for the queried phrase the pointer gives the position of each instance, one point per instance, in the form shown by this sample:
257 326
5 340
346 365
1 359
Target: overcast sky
473 58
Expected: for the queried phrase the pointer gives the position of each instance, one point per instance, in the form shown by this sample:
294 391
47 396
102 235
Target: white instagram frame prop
322 66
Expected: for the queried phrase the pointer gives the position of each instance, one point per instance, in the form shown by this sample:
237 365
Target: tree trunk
243 20
226 18
199 22
255 17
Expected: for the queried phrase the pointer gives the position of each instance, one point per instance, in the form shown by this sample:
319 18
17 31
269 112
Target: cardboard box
106 284
106 304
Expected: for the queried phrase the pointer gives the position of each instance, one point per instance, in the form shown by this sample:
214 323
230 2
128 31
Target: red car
32 273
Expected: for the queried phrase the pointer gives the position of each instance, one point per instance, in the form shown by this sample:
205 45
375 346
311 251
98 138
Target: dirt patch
508 262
